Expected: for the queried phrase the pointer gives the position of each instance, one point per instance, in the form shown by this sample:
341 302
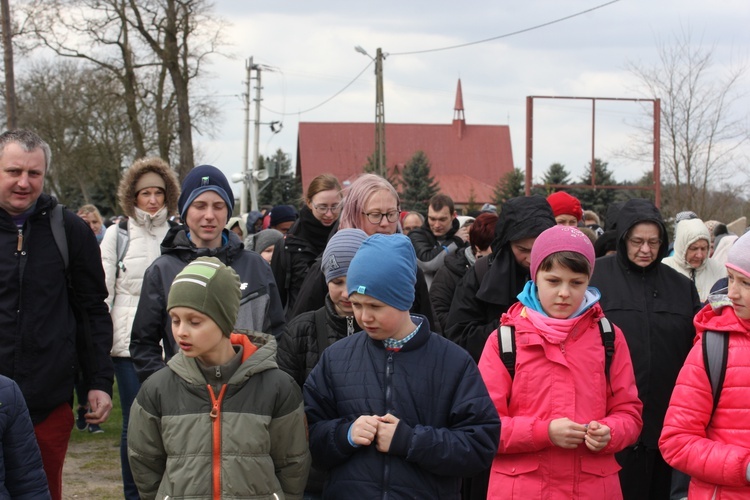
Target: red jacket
716 456
553 380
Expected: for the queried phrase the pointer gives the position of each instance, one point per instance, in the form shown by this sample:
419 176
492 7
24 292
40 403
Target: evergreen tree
282 188
509 186
598 199
419 186
555 174
471 203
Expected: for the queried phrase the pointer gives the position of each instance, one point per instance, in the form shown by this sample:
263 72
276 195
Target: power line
506 35
327 100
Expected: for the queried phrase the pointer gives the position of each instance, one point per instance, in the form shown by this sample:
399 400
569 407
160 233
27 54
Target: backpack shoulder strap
123 240
57 225
506 340
608 341
715 350
321 328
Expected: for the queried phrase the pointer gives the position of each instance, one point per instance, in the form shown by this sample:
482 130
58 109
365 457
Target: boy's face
206 218
339 297
561 290
739 293
198 336
380 320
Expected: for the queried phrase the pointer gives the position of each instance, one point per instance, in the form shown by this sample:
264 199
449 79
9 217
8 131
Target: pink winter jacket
557 379
716 456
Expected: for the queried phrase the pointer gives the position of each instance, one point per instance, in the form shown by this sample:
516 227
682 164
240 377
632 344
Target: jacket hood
126 191
634 212
723 320
177 243
689 232
521 218
259 354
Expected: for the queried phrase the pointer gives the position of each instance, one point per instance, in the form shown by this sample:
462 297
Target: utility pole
249 174
379 116
11 109
246 146
256 145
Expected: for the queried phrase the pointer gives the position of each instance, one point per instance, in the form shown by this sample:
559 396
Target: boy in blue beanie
396 408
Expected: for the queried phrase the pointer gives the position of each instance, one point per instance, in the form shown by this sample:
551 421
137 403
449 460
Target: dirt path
92 469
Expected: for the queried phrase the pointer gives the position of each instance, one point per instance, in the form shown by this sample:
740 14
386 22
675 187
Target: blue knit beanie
198 181
340 251
283 213
385 268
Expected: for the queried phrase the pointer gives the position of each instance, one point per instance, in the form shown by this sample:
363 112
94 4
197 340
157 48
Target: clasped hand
369 428
565 433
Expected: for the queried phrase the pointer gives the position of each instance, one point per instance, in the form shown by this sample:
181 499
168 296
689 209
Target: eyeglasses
323 209
377 217
639 242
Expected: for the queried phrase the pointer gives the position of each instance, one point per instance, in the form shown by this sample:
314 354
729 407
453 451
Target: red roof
462 157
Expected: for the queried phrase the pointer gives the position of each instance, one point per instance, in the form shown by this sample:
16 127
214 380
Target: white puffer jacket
146 234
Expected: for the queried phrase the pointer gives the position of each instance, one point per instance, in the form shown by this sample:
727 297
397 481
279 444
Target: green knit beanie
209 287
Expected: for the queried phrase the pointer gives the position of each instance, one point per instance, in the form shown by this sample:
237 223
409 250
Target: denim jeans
127 387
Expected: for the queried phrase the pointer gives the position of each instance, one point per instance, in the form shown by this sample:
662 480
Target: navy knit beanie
385 268
340 251
282 213
198 181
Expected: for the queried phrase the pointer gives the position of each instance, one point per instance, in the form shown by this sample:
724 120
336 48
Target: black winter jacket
477 306
260 306
448 425
20 460
39 346
293 256
654 306
444 284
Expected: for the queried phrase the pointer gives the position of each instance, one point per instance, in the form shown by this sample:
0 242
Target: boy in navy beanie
396 395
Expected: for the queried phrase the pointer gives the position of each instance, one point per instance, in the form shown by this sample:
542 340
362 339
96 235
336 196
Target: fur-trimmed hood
126 192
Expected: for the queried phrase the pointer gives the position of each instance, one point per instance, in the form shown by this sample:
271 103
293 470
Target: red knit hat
563 203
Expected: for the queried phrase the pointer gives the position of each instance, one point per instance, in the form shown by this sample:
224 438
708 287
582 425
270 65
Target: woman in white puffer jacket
148 194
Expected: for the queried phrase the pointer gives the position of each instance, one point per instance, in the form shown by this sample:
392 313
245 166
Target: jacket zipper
388 408
216 445
349 325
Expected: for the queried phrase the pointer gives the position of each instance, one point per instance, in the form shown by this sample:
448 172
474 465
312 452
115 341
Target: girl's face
326 206
339 297
561 290
739 293
381 205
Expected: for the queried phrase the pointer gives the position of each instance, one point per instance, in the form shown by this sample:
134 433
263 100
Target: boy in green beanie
221 419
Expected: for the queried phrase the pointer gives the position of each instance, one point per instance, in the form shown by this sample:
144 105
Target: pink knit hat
738 257
561 239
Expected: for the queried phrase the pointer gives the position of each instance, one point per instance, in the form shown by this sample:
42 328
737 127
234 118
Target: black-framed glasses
377 217
323 209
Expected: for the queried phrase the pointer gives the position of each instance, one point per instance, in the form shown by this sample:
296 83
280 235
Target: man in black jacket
53 319
654 306
439 236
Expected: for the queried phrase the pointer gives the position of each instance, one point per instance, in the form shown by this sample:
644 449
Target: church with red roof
465 160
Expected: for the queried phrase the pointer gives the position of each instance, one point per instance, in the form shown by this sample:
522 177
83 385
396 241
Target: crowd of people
340 345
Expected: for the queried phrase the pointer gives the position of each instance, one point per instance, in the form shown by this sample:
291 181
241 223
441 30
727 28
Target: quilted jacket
558 379
714 451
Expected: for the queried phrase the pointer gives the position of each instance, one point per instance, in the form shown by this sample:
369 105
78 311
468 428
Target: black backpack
715 351
506 340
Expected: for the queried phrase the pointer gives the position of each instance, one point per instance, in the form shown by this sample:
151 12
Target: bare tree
155 49
702 133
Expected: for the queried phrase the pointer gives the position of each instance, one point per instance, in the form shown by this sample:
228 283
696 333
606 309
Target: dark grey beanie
340 251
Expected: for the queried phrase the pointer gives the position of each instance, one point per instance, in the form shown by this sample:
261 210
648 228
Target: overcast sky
308 49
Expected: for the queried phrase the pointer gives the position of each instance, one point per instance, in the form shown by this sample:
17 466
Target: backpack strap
123 241
321 328
506 341
57 225
715 351
608 341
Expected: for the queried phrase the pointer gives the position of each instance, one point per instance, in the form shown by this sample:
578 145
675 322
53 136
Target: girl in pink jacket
713 446
562 416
